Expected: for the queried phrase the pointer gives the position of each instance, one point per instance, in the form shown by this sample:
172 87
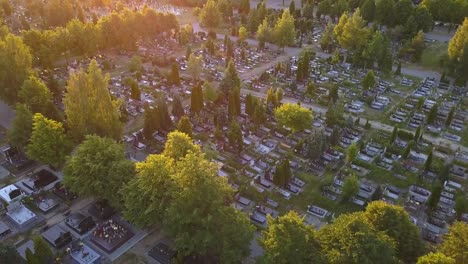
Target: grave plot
110 235
63 193
101 210
82 253
45 202
57 236
40 180
80 223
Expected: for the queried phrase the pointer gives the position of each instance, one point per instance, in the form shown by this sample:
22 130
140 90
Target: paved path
7 114
292 51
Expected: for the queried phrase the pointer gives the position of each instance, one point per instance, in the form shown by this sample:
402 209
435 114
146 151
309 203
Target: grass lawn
432 55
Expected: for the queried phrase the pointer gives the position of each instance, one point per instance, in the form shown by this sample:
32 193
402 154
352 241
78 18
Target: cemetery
300 122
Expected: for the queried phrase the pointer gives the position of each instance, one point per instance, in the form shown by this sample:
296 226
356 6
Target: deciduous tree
351 239
148 195
15 65
395 222
185 126
48 142
289 240
99 169
293 116
455 244
89 106
35 94
178 145
21 128
284 31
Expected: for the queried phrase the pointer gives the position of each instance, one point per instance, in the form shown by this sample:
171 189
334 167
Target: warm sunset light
234 131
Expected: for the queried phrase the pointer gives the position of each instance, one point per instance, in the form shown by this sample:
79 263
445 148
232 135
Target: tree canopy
293 116
98 169
455 242
284 31
351 239
289 240
396 223
48 142
89 106
15 65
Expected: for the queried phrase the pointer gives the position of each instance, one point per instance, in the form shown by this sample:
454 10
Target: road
7 114
292 51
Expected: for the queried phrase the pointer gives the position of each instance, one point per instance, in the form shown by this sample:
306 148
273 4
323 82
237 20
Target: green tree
351 239
308 10
199 220
210 93
148 194
8 254
395 222
423 18
333 94
327 40
293 116
243 34
351 32
244 6
89 106
368 81
292 7
284 31
455 244
435 258
98 169
135 64
48 143
352 153
264 33
461 205
289 240
178 145
185 126
35 94
235 135
432 115
174 75
368 10
21 128
384 12
435 196
31 258
394 135
194 66
231 79
177 108
15 65
196 99
210 16
135 92
418 133
42 250
350 187
428 163
458 42
417 45
282 173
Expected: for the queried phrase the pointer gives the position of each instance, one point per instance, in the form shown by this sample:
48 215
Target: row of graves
94 234
436 223
89 235
26 203
410 111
